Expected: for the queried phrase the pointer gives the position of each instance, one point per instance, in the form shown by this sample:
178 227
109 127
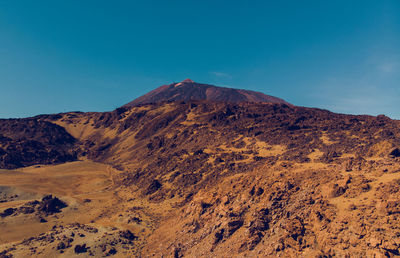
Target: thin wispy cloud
221 75
389 67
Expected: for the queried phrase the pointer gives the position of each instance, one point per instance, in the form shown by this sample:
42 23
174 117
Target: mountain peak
189 90
187 81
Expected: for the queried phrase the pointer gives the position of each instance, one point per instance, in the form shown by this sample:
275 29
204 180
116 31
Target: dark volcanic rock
29 141
80 249
395 153
7 212
61 246
50 205
127 234
153 187
47 206
5 254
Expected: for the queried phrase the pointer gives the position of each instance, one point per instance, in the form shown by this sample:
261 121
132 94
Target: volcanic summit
190 90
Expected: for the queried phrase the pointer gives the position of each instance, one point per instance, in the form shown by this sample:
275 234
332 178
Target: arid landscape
194 170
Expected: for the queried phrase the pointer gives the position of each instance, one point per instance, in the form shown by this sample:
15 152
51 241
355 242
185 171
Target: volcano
190 90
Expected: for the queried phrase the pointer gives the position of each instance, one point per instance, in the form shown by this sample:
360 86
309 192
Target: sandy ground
89 191
72 182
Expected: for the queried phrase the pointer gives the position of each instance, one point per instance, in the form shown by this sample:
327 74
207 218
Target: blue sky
58 56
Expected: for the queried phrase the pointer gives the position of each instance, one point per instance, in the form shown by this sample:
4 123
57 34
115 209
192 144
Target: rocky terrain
71 240
25 142
190 178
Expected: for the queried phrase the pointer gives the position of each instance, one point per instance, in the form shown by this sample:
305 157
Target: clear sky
58 56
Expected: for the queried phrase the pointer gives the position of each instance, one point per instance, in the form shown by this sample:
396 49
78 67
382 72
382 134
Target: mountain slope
253 178
190 90
206 178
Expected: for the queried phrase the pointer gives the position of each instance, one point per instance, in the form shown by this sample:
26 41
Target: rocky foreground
202 178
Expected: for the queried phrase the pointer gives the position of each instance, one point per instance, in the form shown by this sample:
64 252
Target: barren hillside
200 178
